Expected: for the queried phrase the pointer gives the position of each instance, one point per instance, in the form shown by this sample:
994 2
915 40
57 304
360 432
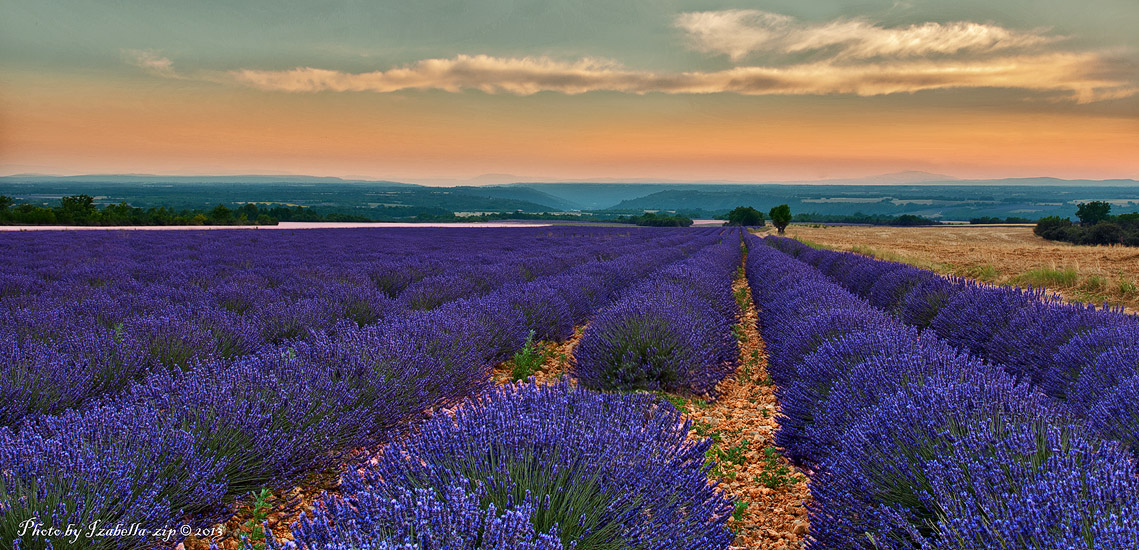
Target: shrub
1026 345
546 464
813 331
923 447
906 365
1101 378
654 342
918 472
1115 416
921 305
819 371
673 332
1071 359
890 289
745 216
975 314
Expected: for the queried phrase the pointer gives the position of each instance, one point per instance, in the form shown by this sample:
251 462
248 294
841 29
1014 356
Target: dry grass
1010 255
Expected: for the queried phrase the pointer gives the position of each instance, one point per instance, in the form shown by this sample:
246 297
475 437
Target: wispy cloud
738 33
151 62
1083 76
854 57
522 76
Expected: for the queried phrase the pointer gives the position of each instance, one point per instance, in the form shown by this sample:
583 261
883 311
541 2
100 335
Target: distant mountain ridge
918 193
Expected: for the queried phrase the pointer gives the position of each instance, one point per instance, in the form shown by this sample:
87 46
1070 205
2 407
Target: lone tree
780 217
1091 213
745 216
79 209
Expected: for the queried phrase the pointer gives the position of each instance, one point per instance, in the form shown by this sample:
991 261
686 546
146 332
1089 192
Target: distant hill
520 193
918 193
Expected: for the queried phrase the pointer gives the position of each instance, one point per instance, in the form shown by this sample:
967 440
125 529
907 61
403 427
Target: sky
500 90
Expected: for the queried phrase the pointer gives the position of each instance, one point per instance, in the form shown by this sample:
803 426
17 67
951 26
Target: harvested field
1005 254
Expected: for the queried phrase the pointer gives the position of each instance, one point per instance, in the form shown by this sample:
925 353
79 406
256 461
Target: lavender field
153 383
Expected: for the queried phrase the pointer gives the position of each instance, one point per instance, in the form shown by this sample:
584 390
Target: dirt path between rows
750 470
771 494
284 506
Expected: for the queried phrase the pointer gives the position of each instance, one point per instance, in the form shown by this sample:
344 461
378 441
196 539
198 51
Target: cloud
151 62
522 76
738 33
852 57
1082 76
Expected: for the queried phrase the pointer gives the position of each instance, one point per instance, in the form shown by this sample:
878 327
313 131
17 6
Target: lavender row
64 342
914 444
673 332
1084 357
182 444
530 467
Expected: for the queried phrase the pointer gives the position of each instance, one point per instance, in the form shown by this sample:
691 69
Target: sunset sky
432 90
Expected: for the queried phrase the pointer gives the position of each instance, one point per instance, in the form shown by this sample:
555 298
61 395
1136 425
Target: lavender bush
177 441
672 332
1031 334
916 445
538 466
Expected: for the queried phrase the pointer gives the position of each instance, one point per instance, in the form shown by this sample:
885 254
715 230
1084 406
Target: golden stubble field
995 254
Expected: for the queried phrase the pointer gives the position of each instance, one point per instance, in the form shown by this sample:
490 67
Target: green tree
5 203
77 209
221 215
745 216
1093 212
780 217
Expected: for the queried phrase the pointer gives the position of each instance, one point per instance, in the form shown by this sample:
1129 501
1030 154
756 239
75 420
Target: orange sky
143 112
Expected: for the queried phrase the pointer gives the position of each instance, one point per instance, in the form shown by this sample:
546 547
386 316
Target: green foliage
1095 283
910 220
719 455
745 216
677 401
76 209
704 429
82 210
988 220
529 359
254 525
1122 229
742 298
775 474
780 217
1091 213
984 272
656 220
738 511
1047 278
1053 228
750 364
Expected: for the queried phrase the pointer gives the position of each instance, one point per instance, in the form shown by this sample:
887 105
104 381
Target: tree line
82 210
1096 226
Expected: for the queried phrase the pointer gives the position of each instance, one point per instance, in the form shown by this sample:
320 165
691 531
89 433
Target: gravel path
742 422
